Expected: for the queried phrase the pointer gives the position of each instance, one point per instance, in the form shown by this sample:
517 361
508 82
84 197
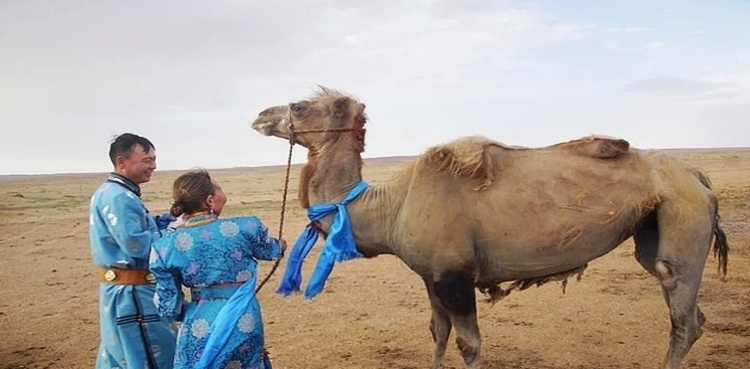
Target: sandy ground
373 313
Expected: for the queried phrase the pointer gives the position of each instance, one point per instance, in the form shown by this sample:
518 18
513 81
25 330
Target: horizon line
395 157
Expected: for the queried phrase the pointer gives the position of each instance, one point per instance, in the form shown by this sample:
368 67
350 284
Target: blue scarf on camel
339 246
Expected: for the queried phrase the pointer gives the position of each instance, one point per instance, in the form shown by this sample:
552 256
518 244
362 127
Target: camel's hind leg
674 246
647 248
455 293
440 326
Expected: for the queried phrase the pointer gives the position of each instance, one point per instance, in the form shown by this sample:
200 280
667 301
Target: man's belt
127 276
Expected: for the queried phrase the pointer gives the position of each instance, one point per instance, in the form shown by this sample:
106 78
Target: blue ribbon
225 322
339 246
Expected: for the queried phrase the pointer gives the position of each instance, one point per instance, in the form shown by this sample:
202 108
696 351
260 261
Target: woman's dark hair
124 143
189 192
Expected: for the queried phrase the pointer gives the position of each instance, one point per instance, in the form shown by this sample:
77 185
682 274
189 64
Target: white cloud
628 29
657 45
723 86
194 73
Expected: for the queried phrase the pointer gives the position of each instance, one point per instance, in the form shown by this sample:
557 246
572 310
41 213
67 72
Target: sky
192 75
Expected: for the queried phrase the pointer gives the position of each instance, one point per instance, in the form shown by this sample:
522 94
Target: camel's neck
328 177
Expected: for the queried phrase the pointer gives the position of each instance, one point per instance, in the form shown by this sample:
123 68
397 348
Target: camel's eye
297 108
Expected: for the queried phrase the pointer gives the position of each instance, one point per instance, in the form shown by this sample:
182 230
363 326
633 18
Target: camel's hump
595 146
468 156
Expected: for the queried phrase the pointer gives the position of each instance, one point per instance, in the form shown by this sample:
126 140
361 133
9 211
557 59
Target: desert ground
373 313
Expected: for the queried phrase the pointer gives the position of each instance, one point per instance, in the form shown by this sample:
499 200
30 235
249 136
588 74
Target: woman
216 259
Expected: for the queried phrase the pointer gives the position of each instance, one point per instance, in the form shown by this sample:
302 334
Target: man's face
139 166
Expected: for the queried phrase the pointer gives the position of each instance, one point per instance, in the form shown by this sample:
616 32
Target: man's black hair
123 145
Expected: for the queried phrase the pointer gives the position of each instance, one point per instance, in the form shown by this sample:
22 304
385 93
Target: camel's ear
341 106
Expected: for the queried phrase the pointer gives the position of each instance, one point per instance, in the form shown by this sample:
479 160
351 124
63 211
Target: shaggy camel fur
474 213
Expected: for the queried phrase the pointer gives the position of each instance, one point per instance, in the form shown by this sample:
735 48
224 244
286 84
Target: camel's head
326 117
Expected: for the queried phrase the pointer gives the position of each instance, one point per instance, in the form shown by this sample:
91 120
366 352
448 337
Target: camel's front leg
440 326
455 292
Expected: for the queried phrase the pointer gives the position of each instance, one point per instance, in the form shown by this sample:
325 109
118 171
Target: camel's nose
270 111
268 119
260 124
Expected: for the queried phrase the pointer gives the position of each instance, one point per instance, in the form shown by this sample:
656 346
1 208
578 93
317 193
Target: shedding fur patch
496 293
466 157
602 147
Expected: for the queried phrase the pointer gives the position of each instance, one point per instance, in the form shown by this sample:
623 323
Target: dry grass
373 313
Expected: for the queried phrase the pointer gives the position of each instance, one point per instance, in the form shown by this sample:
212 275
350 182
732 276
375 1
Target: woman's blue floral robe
211 259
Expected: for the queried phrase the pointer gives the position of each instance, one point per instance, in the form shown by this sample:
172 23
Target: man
121 232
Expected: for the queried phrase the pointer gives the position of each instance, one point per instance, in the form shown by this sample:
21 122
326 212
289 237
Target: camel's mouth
264 126
272 121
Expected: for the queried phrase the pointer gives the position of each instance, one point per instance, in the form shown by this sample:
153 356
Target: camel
474 213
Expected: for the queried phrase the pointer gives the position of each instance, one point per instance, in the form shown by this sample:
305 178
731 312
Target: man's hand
283 245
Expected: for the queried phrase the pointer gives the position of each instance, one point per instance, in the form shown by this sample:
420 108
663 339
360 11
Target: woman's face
216 201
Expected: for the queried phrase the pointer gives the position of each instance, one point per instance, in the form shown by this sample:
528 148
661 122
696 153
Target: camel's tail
721 246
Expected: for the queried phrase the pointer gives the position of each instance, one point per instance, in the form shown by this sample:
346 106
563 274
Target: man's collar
124 182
